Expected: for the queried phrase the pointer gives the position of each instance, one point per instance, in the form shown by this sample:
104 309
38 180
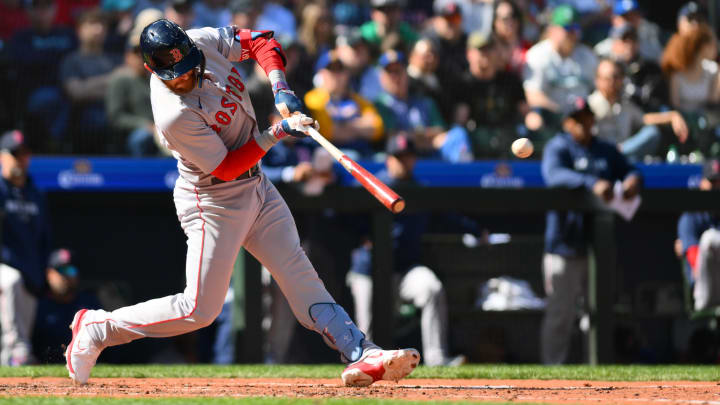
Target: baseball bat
377 188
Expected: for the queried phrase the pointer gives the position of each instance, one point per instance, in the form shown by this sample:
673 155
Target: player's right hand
297 125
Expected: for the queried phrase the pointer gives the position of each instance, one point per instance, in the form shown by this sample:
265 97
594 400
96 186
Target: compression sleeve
263 48
239 161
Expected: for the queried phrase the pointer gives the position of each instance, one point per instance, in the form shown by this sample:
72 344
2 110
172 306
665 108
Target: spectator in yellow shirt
346 119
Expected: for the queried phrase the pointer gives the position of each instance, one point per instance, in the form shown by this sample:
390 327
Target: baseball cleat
378 364
82 353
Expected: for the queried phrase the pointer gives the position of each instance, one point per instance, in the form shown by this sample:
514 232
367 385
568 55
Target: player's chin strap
338 331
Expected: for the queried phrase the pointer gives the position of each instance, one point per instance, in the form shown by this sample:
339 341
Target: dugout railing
479 201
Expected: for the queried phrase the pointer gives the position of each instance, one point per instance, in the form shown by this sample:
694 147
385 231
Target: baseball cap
580 106
117 5
390 57
386 3
61 260
241 6
349 37
12 141
400 144
330 61
625 6
692 11
711 170
565 16
181 6
479 40
446 8
625 31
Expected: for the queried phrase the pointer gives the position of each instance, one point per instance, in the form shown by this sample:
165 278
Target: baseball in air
522 148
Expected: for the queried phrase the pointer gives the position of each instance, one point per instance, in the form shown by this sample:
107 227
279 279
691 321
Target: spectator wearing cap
347 119
180 12
574 159
316 30
445 29
699 235
477 14
508 30
621 121
85 74
127 103
211 13
25 250
689 17
413 116
38 95
355 53
56 310
386 28
493 98
644 80
628 12
559 69
417 284
276 16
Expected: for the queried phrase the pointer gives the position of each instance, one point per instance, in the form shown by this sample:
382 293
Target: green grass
500 371
217 401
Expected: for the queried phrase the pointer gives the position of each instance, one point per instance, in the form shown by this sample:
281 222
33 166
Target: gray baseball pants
218 220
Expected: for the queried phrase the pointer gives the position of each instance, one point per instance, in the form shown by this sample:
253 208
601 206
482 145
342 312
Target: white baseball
522 148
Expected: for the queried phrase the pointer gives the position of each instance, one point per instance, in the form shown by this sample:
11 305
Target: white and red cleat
82 353
378 364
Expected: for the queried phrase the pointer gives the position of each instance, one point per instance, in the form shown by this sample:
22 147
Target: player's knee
205 318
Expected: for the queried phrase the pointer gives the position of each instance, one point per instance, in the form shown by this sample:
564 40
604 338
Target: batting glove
296 125
286 102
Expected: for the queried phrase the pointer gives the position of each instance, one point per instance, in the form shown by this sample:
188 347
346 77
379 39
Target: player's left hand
287 103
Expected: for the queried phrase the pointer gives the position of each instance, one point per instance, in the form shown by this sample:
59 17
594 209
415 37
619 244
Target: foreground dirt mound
675 392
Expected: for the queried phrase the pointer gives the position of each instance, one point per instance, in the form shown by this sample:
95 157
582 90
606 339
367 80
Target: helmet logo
176 54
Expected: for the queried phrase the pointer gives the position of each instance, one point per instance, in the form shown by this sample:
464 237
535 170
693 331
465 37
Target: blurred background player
574 159
24 271
415 283
699 235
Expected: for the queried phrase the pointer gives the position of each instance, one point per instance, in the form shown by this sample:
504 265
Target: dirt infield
553 391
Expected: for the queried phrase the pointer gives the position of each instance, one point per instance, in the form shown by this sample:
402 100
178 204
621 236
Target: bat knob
397 206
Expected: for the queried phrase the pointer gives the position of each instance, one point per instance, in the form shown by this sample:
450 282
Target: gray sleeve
222 39
189 135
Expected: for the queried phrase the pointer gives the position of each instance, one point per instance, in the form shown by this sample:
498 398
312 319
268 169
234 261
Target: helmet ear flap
148 68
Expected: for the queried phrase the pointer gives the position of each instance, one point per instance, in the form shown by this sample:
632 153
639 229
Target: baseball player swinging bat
377 188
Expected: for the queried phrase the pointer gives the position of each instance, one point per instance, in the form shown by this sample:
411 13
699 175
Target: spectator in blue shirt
25 249
414 115
699 234
574 159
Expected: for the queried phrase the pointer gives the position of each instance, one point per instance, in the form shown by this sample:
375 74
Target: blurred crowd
462 78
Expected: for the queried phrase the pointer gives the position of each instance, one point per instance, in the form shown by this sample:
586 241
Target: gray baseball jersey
201 126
